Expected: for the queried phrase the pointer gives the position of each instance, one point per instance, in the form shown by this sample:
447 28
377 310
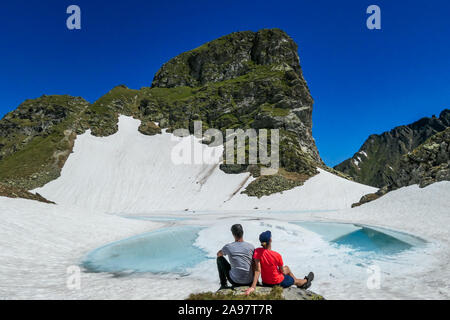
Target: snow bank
40 241
133 173
420 211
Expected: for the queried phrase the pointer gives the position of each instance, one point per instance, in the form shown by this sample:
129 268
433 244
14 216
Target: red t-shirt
270 263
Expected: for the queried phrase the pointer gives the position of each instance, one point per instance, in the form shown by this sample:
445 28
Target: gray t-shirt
240 255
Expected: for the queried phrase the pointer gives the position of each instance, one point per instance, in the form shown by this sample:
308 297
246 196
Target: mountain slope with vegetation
37 138
245 80
379 160
425 165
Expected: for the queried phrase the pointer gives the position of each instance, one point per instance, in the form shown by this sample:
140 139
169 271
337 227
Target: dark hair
237 231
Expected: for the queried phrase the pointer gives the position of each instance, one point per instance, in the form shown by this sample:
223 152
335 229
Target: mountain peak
244 80
229 57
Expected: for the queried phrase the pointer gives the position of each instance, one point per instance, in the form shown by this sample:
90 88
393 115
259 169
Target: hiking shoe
309 278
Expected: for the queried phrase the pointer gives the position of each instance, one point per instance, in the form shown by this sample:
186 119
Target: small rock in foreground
261 293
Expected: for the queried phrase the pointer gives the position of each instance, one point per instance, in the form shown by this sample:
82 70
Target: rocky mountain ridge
37 138
379 160
425 165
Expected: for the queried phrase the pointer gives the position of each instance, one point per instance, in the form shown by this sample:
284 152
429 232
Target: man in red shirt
269 264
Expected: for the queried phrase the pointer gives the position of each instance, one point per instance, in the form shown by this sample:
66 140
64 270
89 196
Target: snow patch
134 173
364 153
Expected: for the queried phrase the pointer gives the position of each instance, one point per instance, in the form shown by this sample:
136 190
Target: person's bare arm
220 253
253 266
255 277
282 269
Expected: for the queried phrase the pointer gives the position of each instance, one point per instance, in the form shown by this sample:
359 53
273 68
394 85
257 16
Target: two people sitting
247 264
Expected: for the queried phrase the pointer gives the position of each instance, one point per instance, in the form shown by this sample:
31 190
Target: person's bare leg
300 282
297 282
287 271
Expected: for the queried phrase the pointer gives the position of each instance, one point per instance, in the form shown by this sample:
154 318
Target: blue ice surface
263 211
156 218
167 250
363 238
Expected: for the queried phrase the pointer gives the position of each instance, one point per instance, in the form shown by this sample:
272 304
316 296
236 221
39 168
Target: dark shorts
286 283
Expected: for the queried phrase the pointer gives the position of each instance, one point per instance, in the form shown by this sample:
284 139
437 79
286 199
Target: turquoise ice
364 238
161 251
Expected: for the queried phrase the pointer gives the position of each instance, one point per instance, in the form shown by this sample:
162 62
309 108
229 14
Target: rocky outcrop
229 57
379 161
14 192
365 199
261 293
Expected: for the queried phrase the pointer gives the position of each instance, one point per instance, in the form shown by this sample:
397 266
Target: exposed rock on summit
229 57
253 80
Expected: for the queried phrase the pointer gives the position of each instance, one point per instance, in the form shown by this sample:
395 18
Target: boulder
261 293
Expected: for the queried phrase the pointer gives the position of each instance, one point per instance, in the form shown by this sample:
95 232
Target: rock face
245 80
379 161
426 164
229 57
253 79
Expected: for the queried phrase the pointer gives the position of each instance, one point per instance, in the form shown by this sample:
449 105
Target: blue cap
265 236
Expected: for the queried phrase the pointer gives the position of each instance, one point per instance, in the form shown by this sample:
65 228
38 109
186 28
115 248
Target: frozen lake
167 250
180 249
371 240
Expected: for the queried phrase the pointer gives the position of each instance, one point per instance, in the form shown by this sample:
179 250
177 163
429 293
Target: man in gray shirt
239 271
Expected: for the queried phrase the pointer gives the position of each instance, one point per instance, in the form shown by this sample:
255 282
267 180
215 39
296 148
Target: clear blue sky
363 81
